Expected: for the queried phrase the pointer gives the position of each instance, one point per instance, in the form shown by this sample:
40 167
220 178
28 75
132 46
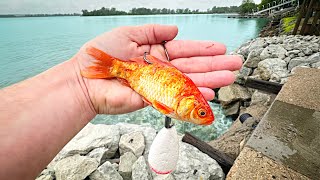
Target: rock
75 167
244 50
46 174
307 51
316 65
273 51
125 166
149 133
293 52
260 98
89 138
314 47
246 71
287 59
232 109
302 61
99 154
193 164
105 171
257 43
253 58
271 66
132 142
301 54
164 177
140 170
278 75
233 92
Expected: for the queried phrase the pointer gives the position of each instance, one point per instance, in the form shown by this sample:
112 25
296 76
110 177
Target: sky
75 6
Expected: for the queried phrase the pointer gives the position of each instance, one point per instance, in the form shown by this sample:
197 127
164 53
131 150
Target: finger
207 93
187 48
212 80
208 63
152 34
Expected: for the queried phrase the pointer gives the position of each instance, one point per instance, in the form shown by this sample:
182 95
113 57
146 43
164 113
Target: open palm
203 61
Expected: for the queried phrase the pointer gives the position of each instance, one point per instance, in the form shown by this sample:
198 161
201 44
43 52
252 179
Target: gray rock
140 170
260 98
46 174
307 38
164 177
278 75
271 66
245 71
193 164
314 47
257 43
105 171
316 65
149 133
231 93
302 61
89 138
293 52
287 59
273 51
232 109
253 58
301 54
100 154
132 142
125 166
75 167
307 51
244 50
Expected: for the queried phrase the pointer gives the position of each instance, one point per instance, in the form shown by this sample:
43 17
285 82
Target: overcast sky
75 6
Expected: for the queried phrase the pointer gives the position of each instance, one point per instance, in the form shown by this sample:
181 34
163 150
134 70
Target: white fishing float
164 151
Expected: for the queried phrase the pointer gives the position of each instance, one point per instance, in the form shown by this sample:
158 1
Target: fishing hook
145 58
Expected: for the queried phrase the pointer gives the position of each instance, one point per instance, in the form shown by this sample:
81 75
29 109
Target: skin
40 115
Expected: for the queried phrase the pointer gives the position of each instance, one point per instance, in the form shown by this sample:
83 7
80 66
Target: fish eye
201 112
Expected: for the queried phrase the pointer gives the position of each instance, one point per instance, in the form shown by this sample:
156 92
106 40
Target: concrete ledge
253 165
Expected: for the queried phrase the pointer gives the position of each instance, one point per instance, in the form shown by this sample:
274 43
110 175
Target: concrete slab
290 135
253 165
302 89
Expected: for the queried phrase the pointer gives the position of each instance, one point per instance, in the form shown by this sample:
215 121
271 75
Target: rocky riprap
271 59
120 151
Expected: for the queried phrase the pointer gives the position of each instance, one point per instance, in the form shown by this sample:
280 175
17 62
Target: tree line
146 11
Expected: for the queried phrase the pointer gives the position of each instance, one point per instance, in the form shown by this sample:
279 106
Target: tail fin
102 67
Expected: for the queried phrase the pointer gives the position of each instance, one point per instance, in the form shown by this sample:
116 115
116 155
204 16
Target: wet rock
271 66
193 164
233 93
75 167
273 51
132 142
125 166
89 138
46 174
100 154
253 58
105 171
140 170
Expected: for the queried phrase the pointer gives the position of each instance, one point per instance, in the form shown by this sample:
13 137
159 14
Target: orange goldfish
159 83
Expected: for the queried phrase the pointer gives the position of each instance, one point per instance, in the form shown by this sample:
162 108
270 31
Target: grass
289 23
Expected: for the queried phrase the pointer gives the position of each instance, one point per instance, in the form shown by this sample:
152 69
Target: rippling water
29 46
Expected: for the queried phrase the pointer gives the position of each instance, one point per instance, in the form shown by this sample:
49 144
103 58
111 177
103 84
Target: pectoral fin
162 108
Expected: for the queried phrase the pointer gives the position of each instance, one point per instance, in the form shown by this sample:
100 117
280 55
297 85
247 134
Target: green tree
247 6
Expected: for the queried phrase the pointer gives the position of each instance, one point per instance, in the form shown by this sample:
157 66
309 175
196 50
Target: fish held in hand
160 84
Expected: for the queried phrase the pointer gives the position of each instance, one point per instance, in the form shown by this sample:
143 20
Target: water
29 46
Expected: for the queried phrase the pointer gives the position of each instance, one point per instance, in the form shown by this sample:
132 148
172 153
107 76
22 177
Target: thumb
153 33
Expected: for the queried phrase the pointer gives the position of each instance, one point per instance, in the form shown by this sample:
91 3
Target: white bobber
164 151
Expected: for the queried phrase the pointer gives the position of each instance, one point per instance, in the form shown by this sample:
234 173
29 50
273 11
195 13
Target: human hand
203 61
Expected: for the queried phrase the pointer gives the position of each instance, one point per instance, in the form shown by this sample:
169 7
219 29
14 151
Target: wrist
78 89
